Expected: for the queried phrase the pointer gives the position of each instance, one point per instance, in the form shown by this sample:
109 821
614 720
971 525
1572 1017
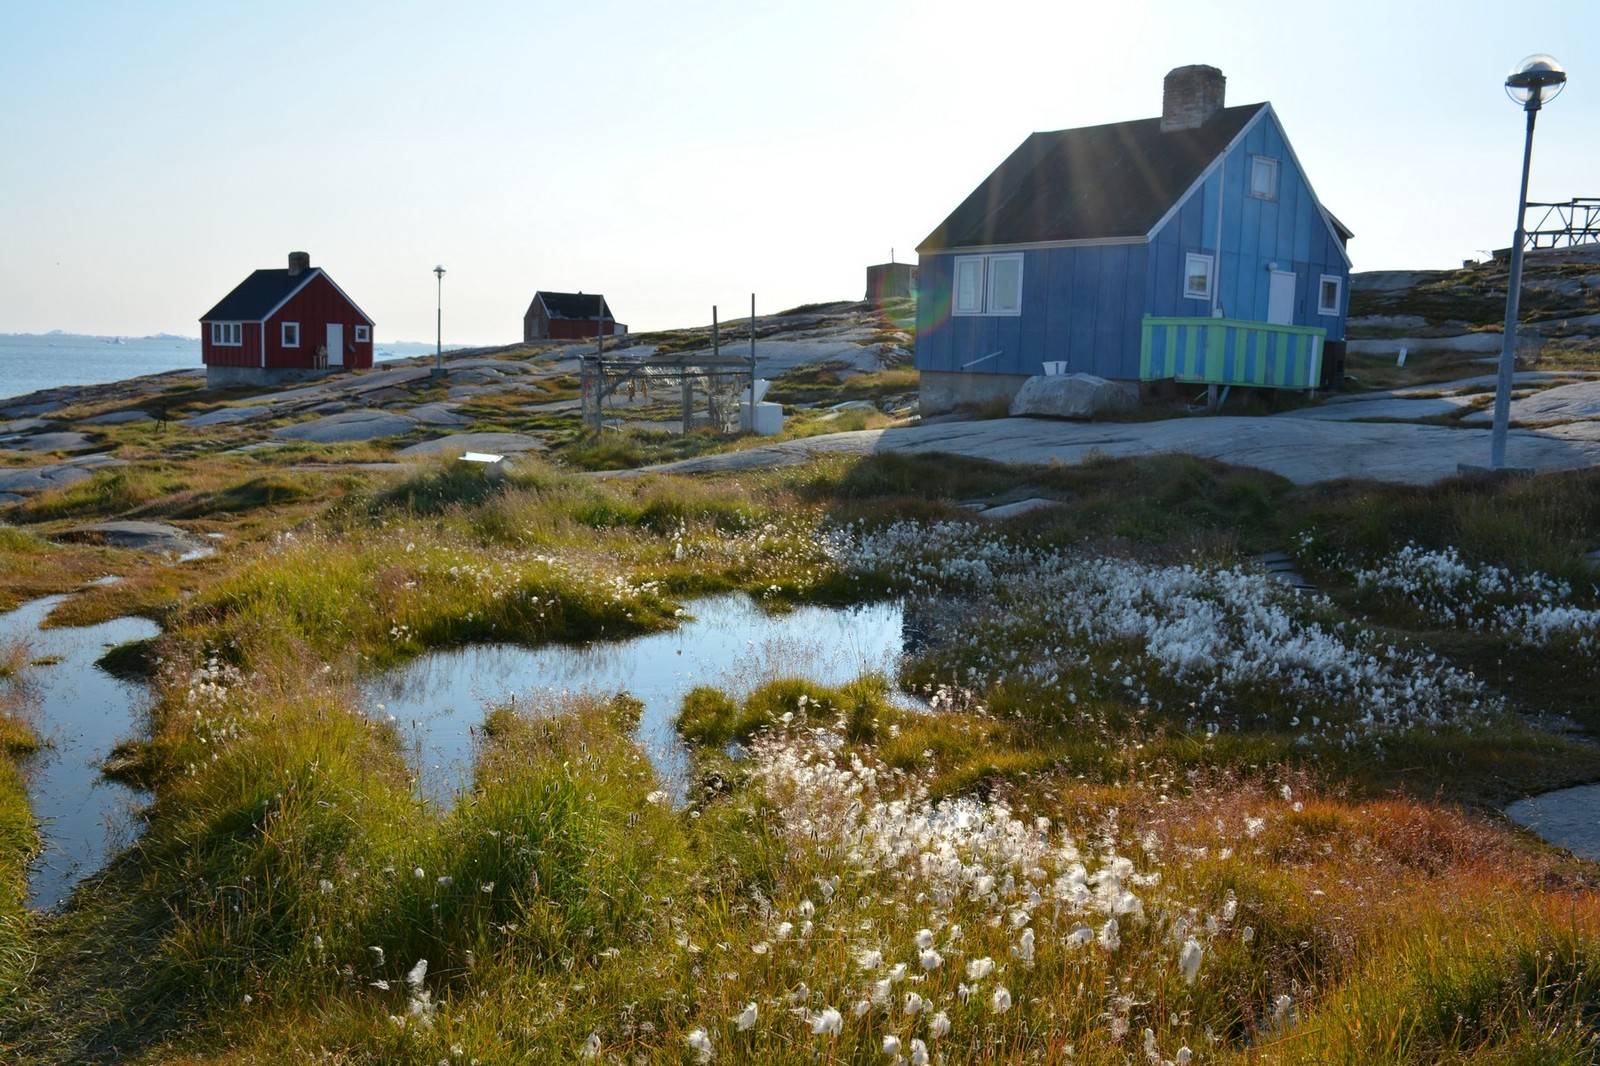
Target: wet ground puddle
729 643
79 713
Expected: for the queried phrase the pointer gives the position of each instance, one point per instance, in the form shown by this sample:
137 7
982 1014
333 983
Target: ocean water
33 361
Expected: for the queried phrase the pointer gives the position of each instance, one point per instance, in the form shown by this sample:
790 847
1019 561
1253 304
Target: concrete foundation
943 391
223 377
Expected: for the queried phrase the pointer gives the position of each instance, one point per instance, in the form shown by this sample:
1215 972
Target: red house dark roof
574 305
264 291
1116 180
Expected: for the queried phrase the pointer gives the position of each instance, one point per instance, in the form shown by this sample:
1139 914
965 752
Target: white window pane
1328 297
1197 276
1005 285
1264 177
969 287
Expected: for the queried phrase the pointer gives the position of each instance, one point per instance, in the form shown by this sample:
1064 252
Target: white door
336 343
1280 298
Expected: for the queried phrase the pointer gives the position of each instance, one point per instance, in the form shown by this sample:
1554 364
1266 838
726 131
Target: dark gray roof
591 306
255 297
1115 180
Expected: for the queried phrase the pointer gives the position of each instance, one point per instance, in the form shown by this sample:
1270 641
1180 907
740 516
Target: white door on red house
335 344
1280 298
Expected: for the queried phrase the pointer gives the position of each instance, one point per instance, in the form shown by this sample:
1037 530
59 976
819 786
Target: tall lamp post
438 366
1536 80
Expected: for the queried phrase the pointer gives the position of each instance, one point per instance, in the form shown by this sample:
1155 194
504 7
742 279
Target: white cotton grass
1189 960
745 1020
1213 630
699 1042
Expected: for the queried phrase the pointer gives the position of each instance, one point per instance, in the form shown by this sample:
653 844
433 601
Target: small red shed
568 316
284 325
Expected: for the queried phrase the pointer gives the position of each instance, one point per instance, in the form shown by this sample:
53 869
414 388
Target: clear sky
676 156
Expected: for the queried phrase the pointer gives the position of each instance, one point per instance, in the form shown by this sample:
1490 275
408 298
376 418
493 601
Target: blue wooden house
1189 247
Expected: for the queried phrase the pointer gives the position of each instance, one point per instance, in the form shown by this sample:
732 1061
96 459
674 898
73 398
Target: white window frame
363 334
227 334
1264 164
984 300
289 334
1323 307
1189 264
992 303
966 263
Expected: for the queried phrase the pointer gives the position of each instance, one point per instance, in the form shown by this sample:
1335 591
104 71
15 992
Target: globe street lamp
438 366
1537 79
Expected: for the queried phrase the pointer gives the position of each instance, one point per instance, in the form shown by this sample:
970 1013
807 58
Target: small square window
1263 177
363 334
1328 294
291 334
1197 277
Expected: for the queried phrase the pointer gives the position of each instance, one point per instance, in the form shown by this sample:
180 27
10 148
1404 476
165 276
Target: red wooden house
284 325
569 316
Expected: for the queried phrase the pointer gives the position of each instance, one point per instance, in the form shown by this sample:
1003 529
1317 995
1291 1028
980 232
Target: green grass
19 838
563 897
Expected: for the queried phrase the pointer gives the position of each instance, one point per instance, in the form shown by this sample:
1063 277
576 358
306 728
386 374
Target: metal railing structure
1564 225
673 393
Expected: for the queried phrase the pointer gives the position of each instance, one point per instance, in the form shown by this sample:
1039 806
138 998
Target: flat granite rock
224 415
117 418
438 414
38 478
349 426
23 425
496 443
28 410
156 537
1579 402
66 440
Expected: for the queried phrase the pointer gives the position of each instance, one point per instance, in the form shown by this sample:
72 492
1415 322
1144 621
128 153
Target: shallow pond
79 712
730 643
1568 818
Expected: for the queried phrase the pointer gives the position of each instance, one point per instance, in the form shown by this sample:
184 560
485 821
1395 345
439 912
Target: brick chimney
299 263
1190 96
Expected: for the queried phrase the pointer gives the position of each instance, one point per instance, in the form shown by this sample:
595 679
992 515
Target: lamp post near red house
1537 79
438 366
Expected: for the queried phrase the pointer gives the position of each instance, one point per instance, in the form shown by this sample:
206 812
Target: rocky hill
1463 311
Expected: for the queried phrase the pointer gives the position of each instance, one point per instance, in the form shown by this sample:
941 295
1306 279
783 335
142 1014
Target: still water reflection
79 712
730 643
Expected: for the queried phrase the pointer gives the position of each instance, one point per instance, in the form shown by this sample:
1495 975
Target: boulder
1069 396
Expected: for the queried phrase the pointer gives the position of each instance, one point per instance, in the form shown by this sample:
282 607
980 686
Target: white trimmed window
363 334
1263 177
1328 293
1197 277
969 286
291 334
1005 285
988 285
230 334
